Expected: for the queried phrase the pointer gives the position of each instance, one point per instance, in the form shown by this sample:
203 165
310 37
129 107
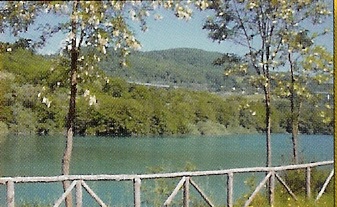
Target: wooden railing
79 182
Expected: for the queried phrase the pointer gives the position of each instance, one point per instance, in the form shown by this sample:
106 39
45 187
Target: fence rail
79 182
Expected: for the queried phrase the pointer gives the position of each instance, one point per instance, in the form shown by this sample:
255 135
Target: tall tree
307 62
308 67
260 28
94 25
253 25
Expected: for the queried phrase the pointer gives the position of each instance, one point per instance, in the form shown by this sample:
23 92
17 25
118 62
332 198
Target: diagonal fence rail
79 183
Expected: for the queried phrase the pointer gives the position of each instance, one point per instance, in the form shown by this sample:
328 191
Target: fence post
79 193
230 189
136 190
272 189
308 181
10 193
187 192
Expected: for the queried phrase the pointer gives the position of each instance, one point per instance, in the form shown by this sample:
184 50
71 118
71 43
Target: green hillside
34 95
182 67
187 68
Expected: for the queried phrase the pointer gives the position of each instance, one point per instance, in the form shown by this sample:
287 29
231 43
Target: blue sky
170 32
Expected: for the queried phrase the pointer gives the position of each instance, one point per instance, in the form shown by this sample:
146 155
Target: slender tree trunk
268 138
268 125
294 135
70 126
71 113
294 126
66 164
295 110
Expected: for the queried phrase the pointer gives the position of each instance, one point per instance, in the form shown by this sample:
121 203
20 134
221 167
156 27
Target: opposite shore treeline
33 100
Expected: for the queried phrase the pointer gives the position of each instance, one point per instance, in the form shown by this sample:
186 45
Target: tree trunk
294 135
268 125
268 138
66 164
71 113
70 126
294 122
295 111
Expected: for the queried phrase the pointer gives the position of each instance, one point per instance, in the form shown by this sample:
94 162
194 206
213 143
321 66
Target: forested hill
182 67
34 90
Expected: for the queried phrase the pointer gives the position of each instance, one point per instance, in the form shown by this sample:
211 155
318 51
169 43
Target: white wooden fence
79 182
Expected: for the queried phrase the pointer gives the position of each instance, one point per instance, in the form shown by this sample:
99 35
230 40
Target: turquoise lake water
41 156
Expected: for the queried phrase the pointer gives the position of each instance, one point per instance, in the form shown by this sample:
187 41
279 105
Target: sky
169 32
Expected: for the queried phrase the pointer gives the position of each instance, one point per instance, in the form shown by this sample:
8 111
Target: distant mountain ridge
185 67
180 67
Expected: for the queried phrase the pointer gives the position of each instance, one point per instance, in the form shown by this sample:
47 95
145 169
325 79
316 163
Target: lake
41 156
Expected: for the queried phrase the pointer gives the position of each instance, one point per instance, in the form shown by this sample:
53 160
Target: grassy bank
296 180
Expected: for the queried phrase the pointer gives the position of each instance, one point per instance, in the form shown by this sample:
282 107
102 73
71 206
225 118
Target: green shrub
3 128
211 128
296 180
